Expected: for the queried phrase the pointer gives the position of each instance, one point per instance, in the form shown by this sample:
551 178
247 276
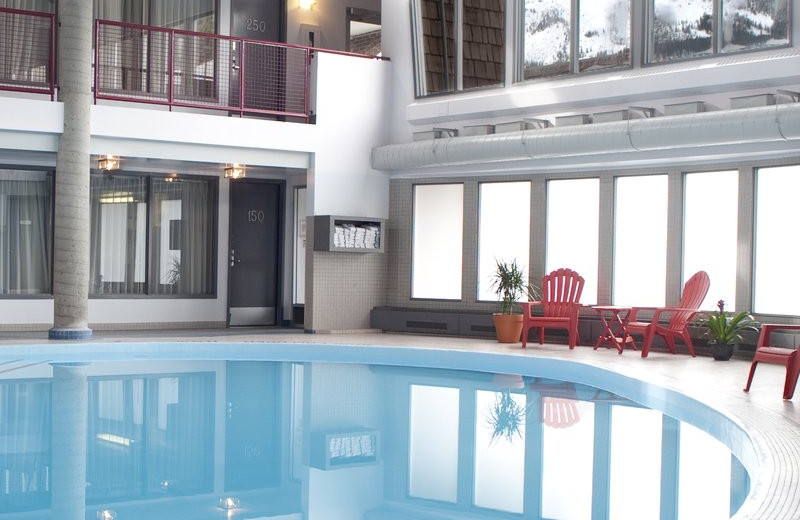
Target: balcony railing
27 51
138 63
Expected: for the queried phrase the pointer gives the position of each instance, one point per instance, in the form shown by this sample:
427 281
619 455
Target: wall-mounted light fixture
171 177
108 163
106 514
229 503
307 4
235 171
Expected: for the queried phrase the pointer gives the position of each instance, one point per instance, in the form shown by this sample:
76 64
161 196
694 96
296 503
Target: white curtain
181 227
25 232
118 234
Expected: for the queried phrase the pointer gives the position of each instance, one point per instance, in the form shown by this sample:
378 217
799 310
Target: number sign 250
255 25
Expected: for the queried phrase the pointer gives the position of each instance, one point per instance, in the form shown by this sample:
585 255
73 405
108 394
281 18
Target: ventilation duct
729 127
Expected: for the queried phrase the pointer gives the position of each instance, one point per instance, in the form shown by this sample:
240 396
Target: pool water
245 432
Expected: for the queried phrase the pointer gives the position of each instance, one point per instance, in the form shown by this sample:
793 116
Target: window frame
418 52
214 242
413 229
648 43
574 37
51 173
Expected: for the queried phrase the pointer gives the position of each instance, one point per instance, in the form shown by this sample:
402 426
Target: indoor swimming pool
291 431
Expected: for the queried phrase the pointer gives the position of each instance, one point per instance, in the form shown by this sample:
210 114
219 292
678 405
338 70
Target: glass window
776 284
546 38
438 237
635 459
567 458
573 220
500 450
179 229
438 44
181 232
483 42
435 42
605 34
711 210
681 29
503 230
433 442
191 15
25 232
118 234
640 240
749 24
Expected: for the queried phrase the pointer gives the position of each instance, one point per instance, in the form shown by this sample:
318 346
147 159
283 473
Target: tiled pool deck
773 424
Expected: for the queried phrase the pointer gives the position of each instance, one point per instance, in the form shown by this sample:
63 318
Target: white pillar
71 228
70 408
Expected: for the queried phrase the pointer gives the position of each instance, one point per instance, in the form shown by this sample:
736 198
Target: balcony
166 67
143 64
27 51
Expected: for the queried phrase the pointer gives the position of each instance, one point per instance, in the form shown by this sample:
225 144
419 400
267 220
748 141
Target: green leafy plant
509 283
505 416
725 328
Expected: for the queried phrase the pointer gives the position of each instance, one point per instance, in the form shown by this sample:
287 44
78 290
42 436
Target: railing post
306 108
96 60
242 71
53 37
171 68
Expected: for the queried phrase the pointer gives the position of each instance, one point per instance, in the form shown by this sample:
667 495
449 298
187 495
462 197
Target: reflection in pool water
289 440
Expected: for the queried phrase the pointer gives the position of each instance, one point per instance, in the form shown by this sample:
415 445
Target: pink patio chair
694 292
561 294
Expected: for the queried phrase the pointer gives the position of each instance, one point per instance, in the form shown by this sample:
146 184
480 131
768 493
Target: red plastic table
615 321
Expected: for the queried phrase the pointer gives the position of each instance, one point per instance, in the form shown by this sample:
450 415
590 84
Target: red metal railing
177 68
27 51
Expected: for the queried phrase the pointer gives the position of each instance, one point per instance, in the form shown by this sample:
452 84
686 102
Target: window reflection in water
176 440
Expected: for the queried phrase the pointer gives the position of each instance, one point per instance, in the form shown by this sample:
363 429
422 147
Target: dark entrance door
252 427
253 267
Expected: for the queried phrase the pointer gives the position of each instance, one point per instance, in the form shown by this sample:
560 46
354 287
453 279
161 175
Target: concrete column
70 416
71 230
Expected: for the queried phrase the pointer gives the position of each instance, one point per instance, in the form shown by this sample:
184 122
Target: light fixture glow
229 503
307 4
171 177
115 439
235 171
106 514
108 162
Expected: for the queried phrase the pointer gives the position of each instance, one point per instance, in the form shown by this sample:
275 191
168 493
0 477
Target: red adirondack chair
694 292
789 357
561 294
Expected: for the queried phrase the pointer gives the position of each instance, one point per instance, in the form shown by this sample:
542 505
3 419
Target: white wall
352 119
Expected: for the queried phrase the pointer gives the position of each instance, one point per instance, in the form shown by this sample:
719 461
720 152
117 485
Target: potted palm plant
725 330
509 283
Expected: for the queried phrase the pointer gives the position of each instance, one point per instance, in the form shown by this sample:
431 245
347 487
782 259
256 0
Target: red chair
561 292
694 292
787 357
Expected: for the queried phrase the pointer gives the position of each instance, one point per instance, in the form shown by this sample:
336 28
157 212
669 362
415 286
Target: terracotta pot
508 327
721 352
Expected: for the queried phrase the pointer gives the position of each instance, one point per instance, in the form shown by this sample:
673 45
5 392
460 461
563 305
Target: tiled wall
344 287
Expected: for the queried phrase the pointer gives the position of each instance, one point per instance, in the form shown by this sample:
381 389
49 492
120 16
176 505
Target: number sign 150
255 215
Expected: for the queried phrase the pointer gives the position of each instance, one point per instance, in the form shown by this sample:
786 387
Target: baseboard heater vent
434 325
